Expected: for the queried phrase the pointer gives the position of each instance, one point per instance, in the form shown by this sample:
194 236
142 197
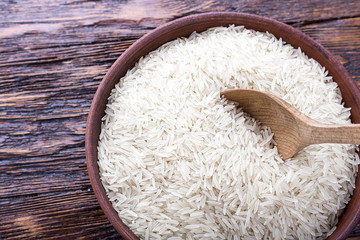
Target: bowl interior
182 28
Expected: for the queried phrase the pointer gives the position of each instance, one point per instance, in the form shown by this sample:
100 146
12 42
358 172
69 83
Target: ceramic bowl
183 27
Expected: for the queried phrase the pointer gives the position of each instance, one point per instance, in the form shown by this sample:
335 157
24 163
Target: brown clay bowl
184 27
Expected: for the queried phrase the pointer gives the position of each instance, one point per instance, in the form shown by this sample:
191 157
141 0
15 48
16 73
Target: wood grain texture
53 54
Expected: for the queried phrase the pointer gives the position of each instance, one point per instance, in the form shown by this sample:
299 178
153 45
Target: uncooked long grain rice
178 161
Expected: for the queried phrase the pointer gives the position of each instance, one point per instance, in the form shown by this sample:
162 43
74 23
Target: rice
180 162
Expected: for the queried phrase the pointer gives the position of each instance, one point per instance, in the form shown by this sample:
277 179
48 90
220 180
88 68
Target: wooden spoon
292 130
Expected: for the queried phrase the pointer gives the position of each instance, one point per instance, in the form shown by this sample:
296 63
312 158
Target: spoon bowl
292 130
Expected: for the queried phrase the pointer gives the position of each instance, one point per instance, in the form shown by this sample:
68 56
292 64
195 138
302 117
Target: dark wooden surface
53 54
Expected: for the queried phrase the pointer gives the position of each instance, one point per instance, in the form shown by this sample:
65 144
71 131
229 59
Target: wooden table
52 58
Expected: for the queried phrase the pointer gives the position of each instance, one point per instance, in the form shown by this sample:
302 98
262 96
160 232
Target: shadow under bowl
183 27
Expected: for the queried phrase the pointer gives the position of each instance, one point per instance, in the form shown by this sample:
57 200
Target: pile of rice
179 162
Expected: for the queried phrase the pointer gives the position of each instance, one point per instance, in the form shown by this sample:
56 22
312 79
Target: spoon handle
329 133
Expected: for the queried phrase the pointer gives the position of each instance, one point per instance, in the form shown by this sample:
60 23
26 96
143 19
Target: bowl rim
151 41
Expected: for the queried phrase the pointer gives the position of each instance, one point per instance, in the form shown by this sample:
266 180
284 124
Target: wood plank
73 13
300 12
75 214
37 22
342 38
